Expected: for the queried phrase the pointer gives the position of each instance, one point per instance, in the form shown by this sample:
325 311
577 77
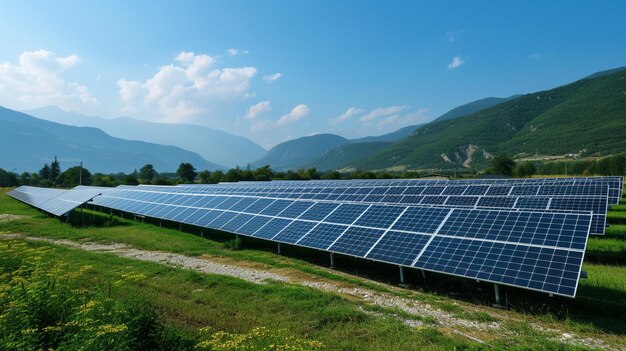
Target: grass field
186 301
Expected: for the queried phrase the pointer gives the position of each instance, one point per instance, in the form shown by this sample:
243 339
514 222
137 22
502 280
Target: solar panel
54 201
476 243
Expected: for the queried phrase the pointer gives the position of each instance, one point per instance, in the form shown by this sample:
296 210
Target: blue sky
275 70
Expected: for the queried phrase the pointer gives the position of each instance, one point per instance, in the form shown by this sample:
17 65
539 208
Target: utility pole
80 174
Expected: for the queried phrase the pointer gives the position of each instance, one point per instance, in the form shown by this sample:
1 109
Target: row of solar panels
535 250
540 248
576 198
55 201
615 184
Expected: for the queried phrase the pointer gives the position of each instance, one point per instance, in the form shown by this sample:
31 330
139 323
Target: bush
41 309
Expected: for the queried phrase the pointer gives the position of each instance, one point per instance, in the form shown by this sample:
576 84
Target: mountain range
331 152
28 142
214 145
583 118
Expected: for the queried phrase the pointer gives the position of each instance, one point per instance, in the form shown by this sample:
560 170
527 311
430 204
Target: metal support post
332 260
401 274
496 290
278 248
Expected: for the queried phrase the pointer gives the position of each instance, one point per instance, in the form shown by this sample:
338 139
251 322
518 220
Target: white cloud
351 112
381 112
190 87
234 52
456 62
258 109
37 80
296 114
272 77
128 89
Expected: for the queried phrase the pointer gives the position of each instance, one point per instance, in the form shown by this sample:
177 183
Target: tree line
51 175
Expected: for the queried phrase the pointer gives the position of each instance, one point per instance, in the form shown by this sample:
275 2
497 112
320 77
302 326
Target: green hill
344 156
299 152
472 107
587 117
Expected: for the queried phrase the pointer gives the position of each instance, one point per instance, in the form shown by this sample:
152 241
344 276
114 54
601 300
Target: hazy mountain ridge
30 142
214 145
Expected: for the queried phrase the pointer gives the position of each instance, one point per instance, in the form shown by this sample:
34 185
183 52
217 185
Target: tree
25 178
233 175
72 177
217 177
205 177
55 170
186 173
312 173
332 175
264 173
44 172
501 164
131 179
525 169
147 173
7 179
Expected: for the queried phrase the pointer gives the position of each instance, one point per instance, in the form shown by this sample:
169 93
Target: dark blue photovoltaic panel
433 200
454 190
322 236
513 227
476 190
258 206
346 214
294 232
497 201
380 216
525 190
253 225
276 207
222 219
532 203
399 247
318 211
499 191
243 204
463 201
183 213
356 241
433 190
545 269
296 209
228 203
272 228
421 220
237 222
209 217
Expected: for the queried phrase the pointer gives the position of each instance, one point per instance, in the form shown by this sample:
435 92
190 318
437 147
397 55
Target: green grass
616 217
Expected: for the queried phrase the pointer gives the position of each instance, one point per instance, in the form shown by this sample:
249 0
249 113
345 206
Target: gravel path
414 307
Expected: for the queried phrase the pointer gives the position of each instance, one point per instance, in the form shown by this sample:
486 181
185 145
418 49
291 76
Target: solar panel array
55 201
528 233
534 250
590 197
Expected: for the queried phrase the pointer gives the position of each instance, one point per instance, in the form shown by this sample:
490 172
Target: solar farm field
191 278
